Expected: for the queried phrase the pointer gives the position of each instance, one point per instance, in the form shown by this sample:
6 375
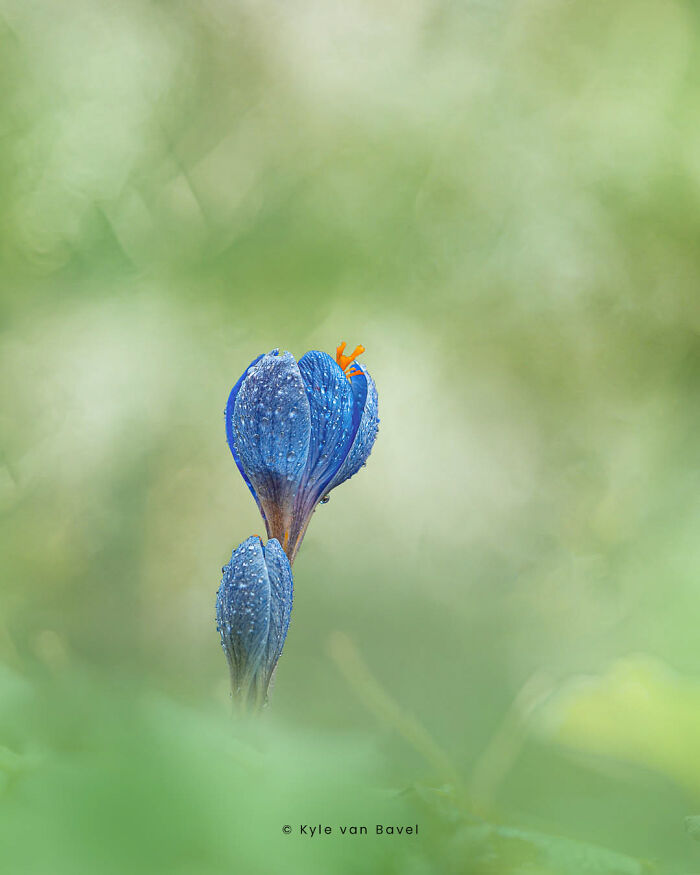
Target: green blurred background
495 629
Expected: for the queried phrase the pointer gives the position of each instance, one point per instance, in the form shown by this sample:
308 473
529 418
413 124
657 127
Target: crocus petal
253 608
243 614
365 393
229 420
271 432
281 589
334 421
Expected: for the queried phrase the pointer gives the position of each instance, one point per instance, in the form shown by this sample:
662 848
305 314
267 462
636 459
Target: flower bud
253 608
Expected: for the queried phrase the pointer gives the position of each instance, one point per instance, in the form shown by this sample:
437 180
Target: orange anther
344 361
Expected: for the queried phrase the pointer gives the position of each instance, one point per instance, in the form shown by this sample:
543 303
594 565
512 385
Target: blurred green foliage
500 201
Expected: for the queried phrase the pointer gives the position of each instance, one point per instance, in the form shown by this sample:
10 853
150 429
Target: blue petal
271 431
334 421
365 393
281 594
229 422
253 609
243 615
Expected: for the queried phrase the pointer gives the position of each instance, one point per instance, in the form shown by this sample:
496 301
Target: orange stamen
286 539
344 361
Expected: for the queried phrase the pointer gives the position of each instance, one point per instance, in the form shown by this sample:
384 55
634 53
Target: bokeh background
495 630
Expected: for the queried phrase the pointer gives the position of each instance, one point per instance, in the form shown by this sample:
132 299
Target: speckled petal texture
229 421
253 610
281 588
271 433
365 393
333 424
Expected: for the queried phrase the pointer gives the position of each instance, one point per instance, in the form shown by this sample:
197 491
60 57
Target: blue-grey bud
253 609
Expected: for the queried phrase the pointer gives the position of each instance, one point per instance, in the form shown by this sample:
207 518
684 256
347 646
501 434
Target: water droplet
291 455
325 499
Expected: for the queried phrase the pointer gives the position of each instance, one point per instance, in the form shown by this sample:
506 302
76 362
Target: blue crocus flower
299 429
253 608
